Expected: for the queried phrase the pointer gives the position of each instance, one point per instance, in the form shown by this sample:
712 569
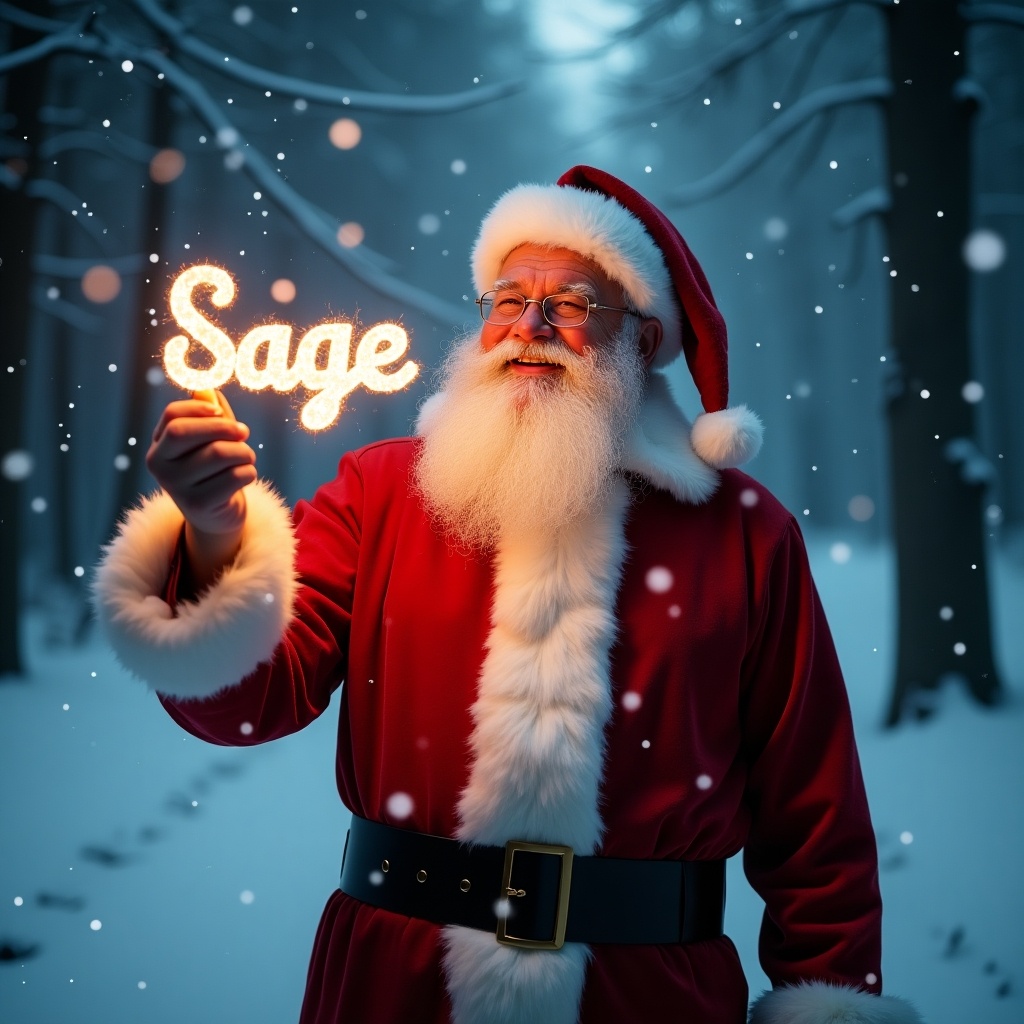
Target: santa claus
580 657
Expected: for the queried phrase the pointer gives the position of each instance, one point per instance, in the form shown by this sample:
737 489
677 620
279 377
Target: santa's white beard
508 453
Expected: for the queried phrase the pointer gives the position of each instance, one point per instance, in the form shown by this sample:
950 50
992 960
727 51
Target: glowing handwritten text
261 359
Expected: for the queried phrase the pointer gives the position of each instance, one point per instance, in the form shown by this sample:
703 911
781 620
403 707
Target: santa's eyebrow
573 287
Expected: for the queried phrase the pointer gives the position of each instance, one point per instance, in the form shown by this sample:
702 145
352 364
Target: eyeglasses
567 309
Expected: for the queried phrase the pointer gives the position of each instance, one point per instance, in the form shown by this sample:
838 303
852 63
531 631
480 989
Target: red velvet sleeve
285 694
811 852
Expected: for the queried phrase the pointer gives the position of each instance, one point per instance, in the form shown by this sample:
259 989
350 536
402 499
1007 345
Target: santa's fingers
215 492
190 408
202 462
185 434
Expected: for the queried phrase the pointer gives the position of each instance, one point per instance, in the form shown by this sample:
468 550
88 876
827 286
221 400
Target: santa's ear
651 335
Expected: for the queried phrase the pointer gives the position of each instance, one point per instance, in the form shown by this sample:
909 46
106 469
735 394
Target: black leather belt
533 895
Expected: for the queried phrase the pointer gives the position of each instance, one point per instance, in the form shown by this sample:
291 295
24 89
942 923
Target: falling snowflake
399 805
840 552
658 579
984 251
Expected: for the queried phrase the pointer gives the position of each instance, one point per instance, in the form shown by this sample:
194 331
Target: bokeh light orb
166 165
282 290
861 508
101 284
16 465
984 251
351 234
345 133
429 224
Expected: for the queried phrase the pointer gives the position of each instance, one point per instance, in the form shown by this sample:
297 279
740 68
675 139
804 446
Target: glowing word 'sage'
380 346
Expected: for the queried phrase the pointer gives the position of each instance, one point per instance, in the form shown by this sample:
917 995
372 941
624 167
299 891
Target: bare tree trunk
943 604
23 95
140 356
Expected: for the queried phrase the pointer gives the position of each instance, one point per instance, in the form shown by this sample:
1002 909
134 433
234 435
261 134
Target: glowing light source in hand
261 360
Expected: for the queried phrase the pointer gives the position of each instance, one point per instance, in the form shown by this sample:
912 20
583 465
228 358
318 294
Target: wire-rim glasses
502 306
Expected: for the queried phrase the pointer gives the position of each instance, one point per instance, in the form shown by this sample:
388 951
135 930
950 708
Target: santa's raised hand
199 456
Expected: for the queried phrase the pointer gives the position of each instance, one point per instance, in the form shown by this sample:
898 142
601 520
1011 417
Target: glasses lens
502 307
566 310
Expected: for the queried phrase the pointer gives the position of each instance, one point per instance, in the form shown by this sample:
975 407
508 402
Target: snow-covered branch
8 178
125 145
72 315
761 144
1005 203
1004 14
75 266
874 200
314 92
314 223
56 193
970 90
754 39
16 16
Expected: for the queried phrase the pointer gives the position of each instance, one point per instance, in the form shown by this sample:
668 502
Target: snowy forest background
850 173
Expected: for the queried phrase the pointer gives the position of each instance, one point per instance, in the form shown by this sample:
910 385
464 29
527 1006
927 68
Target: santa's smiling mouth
533 365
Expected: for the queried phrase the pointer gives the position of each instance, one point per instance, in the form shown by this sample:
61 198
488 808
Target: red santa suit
656 681
718 719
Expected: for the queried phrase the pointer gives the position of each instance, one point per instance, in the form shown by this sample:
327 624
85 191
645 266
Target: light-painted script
323 362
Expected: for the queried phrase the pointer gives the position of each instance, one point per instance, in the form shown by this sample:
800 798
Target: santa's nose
532 326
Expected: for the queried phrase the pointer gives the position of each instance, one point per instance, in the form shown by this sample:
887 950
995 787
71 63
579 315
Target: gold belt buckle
512 847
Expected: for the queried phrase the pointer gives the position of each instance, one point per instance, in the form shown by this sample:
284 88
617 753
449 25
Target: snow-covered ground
147 878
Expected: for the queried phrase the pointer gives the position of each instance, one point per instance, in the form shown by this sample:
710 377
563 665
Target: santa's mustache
494 362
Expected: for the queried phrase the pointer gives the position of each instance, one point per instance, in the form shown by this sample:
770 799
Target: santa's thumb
215 398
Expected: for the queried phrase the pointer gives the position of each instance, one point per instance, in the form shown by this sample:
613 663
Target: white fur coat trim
235 624
819 1002
660 451
543 701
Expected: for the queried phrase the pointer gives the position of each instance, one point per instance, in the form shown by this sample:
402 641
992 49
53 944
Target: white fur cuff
818 1002
235 624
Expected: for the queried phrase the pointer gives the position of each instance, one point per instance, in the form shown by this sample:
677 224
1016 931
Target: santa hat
600 217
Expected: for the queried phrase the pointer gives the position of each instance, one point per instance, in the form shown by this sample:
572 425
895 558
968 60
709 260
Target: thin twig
315 92
1004 14
761 144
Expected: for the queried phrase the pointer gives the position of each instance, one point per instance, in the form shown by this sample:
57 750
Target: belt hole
464 885
385 866
421 875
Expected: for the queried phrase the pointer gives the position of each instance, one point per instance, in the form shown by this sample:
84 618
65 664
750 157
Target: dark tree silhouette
23 93
938 474
937 488
178 75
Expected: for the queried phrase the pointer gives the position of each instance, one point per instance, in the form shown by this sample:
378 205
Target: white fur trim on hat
593 225
819 1002
234 625
727 438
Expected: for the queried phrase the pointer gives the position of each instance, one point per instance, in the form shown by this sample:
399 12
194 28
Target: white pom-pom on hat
729 437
